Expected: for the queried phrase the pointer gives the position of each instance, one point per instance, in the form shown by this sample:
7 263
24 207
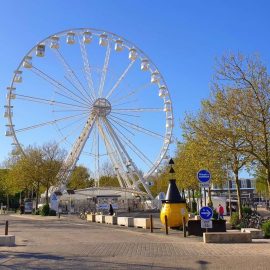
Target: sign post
204 177
206 214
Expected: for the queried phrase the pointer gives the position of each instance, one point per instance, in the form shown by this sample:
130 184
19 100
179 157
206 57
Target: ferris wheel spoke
47 123
139 110
87 69
71 124
64 111
122 126
137 127
131 93
72 99
121 78
72 132
73 76
124 103
79 91
93 141
125 114
132 146
54 82
48 101
104 70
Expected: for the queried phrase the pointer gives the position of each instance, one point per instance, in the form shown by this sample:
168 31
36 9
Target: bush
215 215
45 210
36 212
52 212
266 229
235 221
247 210
193 207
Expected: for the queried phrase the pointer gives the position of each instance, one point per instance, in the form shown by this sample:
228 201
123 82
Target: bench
255 233
141 223
125 221
111 220
226 237
100 218
91 217
7 240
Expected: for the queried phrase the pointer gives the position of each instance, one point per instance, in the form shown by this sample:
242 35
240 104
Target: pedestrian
220 211
21 209
111 210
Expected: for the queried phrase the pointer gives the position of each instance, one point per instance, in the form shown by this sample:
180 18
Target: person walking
220 211
111 210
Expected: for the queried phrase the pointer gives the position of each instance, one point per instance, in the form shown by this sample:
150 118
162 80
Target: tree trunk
201 200
210 203
183 194
237 182
7 202
189 199
37 194
47 194
268 180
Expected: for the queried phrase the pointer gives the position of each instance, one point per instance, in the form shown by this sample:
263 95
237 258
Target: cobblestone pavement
70 243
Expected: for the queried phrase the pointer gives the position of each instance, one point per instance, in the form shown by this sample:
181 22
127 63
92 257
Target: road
70 243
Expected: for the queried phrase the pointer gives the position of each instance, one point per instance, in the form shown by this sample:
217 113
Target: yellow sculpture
174 207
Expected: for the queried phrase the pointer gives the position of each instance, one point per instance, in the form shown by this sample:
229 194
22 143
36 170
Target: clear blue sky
183 38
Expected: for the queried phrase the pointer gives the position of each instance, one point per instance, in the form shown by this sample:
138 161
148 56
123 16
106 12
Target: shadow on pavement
202 264
40 261
28 255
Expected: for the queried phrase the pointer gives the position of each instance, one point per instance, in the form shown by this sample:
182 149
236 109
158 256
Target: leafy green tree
80 178
220 126
108 181
52 159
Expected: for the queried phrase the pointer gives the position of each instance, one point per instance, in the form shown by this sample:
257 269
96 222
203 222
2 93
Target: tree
80 178
261 181
249 77
108 181
37 168
52 159
193 154
220 126
26 172
108 176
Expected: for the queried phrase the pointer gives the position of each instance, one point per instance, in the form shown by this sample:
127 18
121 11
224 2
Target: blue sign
203 176
206 213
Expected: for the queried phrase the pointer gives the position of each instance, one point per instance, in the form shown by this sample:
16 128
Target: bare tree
249 77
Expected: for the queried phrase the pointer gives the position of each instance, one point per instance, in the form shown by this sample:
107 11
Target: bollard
184 227
151 223
6 228
166 224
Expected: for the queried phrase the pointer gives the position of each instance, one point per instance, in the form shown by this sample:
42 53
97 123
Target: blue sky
182 38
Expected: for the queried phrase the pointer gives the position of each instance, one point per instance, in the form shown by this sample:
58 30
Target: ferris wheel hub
101 107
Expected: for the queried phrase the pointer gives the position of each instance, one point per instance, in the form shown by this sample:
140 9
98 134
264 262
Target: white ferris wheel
99 97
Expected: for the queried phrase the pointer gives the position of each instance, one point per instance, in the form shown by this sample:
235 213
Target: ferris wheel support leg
73 156
141 180
121 159
110 151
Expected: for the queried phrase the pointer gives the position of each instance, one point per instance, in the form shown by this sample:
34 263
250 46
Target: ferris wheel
98 96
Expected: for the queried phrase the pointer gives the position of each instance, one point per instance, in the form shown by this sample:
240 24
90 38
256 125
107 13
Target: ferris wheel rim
142 55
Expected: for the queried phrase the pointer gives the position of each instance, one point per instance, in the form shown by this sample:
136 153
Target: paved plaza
70 243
